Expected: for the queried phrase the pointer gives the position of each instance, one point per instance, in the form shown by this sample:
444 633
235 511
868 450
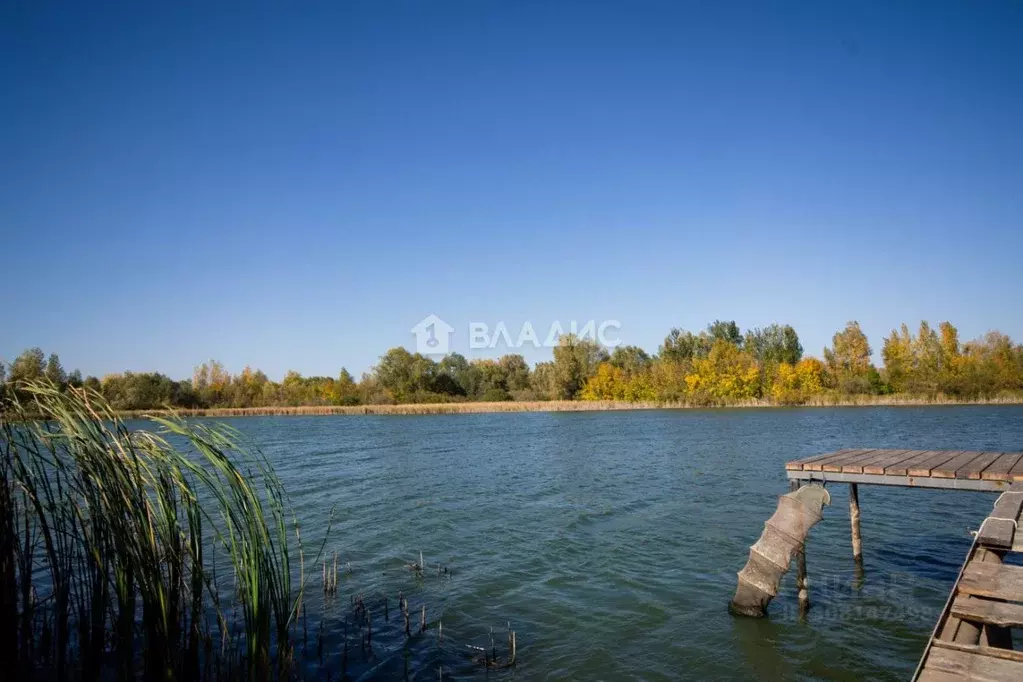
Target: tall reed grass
819 400
108 539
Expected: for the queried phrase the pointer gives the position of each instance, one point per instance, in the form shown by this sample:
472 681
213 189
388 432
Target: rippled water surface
610 540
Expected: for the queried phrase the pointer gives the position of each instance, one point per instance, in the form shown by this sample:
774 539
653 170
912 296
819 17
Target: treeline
717 366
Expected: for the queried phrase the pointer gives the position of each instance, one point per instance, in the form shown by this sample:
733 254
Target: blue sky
295 186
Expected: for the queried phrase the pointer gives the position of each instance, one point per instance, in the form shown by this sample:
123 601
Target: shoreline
556 406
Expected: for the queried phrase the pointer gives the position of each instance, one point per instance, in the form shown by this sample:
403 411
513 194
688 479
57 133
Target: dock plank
836 459
961 462
901 467
1016 472
988 612
800 464
998 530
995 581
980 465
1000 469
1009 654
878 466
971 665
835 465
859 466
925 465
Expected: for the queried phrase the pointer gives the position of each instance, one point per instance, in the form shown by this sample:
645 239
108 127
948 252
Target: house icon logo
432 336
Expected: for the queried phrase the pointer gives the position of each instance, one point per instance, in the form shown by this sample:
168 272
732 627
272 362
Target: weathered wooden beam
854 520
902 481
988 612
972 665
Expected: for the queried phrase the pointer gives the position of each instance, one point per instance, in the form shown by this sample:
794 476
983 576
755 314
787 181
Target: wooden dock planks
969 665
861 464
994 581
989 612
972 639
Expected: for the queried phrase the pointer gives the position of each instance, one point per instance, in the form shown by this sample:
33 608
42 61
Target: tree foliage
717 366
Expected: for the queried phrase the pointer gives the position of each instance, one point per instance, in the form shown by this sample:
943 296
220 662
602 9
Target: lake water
610 540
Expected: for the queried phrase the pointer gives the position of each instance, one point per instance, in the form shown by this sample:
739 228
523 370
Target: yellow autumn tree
727 373
609 383
795 384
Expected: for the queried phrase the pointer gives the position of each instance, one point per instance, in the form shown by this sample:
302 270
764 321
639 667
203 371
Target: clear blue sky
296 187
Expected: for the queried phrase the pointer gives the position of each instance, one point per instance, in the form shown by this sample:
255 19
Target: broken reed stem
422 621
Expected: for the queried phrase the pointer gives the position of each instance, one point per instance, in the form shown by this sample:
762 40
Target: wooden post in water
854 520
802 584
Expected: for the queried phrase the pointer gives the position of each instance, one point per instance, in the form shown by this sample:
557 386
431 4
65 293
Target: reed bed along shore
575 406
171 552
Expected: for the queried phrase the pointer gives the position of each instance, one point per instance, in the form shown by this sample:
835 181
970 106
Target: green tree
927 360
406 375
544 382
774 344
630 359
346 391
897 354
28 366
516 372
725 331
681 346
55 371
575 361
848 360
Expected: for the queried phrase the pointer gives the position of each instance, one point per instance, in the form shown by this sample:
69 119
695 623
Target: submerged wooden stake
854 520
802 584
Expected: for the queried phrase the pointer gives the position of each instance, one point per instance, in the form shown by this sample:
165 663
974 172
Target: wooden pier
972 639
949 469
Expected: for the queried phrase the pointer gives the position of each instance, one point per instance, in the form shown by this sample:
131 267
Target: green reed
107 537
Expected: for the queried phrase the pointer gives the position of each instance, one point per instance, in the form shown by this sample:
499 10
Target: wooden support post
802 584
854 520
